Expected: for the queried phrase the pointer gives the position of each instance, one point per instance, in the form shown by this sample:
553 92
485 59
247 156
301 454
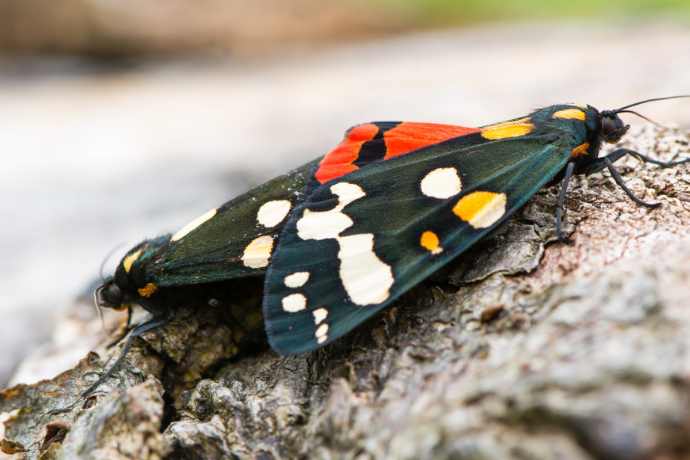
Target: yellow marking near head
580 150
129 260
148 290
481 209
122 307
515 128
194 224
570 114
430 241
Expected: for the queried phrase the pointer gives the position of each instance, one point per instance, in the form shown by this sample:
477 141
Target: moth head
612 127
110 295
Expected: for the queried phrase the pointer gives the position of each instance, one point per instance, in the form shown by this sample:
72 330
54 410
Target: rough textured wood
524 348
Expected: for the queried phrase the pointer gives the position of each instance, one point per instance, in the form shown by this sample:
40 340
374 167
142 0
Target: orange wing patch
408 136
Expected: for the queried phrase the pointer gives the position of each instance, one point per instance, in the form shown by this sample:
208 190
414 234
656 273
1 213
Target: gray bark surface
524 348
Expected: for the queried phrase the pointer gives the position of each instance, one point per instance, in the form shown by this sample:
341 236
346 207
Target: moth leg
147 326
599 164
124 334
561 200
608 160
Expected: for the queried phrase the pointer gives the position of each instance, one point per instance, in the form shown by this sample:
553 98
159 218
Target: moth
343 236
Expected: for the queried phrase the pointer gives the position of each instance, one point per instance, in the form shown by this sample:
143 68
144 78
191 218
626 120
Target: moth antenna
649 100
112 251
98 307
642 116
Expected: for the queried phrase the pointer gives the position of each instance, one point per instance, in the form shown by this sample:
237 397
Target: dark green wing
360 241
233 240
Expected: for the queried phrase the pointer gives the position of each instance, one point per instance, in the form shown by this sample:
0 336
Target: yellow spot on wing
148 290
570 114
481 209
194 224
507 129
258 252
430 241
129 260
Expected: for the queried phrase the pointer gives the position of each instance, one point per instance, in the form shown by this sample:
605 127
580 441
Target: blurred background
121 120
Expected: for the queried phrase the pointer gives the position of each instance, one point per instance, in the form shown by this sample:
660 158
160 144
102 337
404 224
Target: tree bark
524 347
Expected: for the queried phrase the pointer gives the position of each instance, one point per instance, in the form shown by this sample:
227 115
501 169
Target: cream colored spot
258 252
129 260
272 213
294 303
194 224
320 314
441 183
365 277
481 209
321 333
317 225
297 279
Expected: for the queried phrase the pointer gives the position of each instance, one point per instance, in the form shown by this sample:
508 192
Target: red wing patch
339 161
408 136
400 138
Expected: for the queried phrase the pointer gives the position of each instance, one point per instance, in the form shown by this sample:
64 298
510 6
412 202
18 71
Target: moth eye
114 294
608 126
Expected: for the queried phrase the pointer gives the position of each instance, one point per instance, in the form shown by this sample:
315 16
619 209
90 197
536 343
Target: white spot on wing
273 212
194 224
365 277
294 303
320 314
321 333
441 183
258 252
297 279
